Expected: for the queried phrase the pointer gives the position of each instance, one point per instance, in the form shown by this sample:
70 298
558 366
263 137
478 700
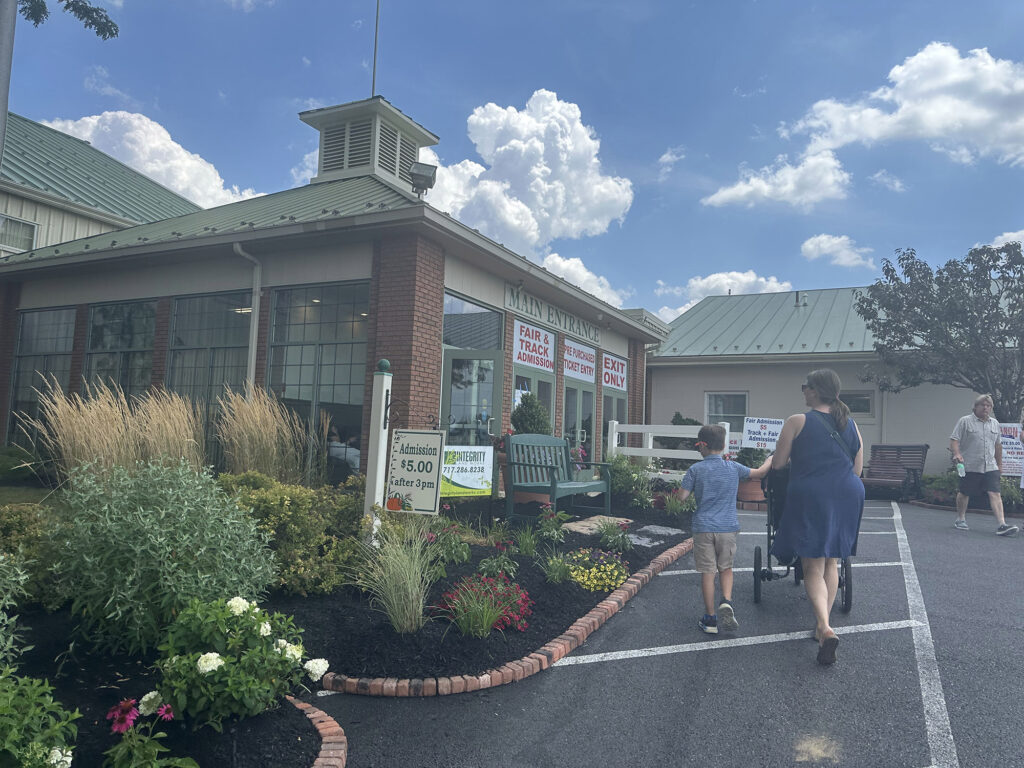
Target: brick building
302 291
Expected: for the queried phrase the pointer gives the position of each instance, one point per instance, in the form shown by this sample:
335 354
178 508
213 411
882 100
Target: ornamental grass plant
396 570
260 434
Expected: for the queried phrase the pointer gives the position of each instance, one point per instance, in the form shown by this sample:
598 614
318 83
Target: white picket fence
648 451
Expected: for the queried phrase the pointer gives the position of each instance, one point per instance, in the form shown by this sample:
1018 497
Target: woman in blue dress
824 499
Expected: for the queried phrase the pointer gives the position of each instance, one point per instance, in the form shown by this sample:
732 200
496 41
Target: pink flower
123 715
164 712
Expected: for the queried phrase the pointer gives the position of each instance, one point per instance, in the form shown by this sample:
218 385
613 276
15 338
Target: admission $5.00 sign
414 472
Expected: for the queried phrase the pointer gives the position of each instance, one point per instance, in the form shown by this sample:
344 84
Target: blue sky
652 152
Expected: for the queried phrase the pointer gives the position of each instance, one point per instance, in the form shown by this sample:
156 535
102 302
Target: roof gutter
254 316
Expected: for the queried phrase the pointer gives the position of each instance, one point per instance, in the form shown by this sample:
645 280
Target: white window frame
718 417
8 249
869 393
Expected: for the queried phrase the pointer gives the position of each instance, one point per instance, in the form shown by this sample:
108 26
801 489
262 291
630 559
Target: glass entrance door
471 396
578 417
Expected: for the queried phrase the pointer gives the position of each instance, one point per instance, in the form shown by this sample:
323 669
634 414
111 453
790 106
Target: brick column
406 319
10 297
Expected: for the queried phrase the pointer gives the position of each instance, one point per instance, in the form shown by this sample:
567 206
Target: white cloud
668 160
540 180
248 5
98 81
306 61
717 284
357 24
1008 237
885 179
839 249
962 106
576 273
146 146
819 176
306 170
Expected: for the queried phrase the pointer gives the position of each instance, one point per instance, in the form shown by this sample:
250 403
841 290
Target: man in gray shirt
976 444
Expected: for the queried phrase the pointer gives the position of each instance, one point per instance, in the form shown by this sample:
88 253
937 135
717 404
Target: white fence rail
650 431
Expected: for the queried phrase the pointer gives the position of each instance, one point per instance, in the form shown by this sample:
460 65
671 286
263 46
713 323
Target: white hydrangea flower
238 605
316 668
60 757
148 704
293 652
209 662
264 629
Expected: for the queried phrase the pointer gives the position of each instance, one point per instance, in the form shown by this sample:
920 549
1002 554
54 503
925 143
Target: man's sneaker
1006 530
727 617
961 525
708 624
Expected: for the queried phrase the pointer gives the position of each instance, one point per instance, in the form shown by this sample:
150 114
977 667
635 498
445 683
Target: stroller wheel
846 584
757 574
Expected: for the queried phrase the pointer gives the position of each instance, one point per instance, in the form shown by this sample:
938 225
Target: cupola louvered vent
333 148
408 153
388 149
360 144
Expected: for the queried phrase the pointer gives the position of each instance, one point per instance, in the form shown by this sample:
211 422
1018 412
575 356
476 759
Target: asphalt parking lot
927 673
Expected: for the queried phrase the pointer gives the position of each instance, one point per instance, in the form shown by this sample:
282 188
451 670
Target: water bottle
960 469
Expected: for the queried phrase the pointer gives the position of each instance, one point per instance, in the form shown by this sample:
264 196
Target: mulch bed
340 627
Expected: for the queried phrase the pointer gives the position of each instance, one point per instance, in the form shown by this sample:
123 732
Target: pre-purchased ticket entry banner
414 474
578 361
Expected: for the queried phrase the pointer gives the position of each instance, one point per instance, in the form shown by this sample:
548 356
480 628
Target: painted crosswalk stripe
735 642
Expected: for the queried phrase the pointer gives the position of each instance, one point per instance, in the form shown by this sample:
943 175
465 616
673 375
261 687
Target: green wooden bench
542 464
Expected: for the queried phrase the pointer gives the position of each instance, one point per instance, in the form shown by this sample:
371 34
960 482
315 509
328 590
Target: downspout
254 317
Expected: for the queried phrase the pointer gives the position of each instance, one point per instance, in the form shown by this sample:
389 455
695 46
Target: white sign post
414 472
761 433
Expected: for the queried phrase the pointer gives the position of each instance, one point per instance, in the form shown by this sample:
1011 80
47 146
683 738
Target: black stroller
774 486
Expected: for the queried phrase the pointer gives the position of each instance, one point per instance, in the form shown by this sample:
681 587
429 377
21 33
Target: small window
16 235
727 406
860 403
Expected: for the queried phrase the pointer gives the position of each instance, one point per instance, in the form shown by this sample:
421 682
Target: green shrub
310 531
526 541
1010 490
446 537
621 469
32 724
25 528
549 523
229 658
677 507
16 465
614 536
137 544
478 604
530 417
12 586
555 566
751 457
396 570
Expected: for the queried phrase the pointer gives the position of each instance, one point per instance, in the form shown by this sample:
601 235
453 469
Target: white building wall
53 225
924 414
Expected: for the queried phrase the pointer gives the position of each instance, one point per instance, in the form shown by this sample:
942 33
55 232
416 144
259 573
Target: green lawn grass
22 494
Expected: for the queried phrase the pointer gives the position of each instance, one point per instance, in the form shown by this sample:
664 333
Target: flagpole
376 27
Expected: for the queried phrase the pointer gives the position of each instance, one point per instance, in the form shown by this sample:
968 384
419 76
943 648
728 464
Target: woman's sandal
827 650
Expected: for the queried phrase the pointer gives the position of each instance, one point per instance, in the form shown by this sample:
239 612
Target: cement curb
333 743
513 671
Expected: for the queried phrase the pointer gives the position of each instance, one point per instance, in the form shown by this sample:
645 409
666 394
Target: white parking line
735 642
862 533
940 735
751 570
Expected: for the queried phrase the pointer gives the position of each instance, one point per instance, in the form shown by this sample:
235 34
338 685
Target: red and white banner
613 373
1013 450
578 361
533 347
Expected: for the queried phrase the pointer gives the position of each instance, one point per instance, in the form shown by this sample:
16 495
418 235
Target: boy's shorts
714 552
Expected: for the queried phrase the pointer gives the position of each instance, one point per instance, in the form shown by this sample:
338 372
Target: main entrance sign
522 303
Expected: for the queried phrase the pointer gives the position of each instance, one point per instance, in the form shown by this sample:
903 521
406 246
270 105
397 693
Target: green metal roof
59 165
325 201
794 322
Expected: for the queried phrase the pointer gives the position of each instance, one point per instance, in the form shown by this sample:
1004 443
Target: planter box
750 490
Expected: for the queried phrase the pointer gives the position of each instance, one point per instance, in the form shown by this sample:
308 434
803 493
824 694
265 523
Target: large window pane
43 352
470 326
121 345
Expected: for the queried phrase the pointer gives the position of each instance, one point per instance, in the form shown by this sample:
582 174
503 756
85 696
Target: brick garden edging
513 671
333 744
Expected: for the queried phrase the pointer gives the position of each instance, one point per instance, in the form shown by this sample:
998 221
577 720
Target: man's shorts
975 484
714 552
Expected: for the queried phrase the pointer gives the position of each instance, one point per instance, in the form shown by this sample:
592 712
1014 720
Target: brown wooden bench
896 466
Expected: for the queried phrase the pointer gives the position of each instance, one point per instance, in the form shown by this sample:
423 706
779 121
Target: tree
530 417
961 325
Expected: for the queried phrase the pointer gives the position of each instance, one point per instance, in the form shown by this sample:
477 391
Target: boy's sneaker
1006 530
961 525
708 624
727 617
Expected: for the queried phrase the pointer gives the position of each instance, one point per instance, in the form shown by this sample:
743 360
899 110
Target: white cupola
368 137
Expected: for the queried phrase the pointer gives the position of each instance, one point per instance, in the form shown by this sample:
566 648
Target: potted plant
750 490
